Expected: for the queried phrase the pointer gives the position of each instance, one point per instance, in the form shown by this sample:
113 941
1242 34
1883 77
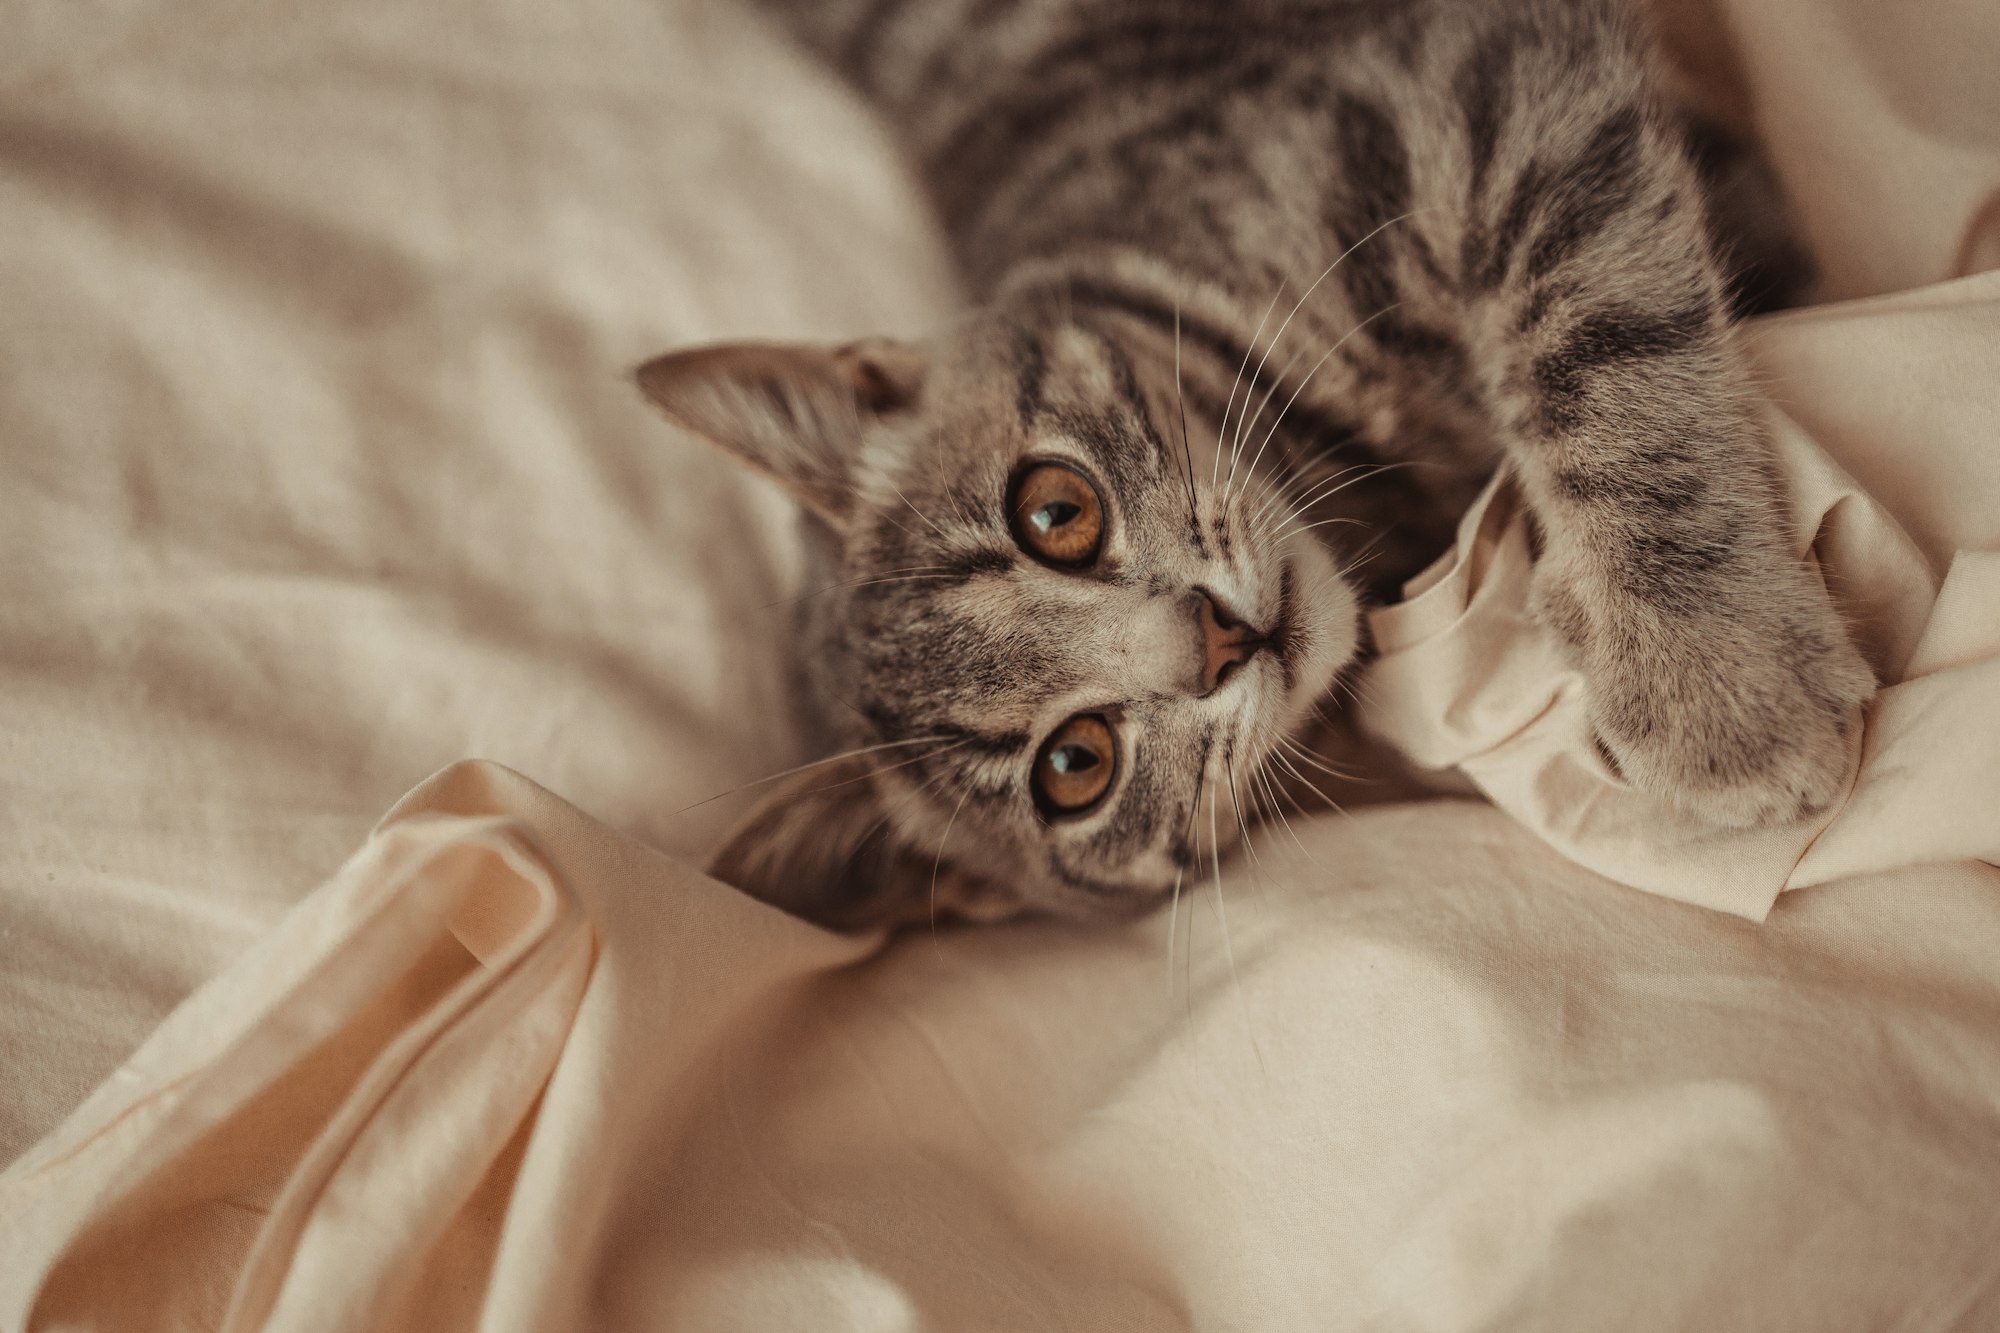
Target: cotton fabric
320 477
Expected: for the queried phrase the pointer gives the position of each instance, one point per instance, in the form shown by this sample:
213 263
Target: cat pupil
1072 759
1054 514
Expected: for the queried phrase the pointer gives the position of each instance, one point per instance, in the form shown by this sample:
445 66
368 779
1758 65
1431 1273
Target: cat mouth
1282 636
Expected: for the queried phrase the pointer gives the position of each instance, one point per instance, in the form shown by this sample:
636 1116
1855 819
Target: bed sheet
320 474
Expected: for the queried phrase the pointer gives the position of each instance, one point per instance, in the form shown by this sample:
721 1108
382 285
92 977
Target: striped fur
1147 198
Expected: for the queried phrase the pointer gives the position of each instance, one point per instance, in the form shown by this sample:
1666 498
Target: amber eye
1075 765
1056 515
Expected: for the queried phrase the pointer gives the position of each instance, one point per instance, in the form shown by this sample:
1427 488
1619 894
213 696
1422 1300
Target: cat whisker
1317 365
1222 915
918 512
956 501
1267 795
1273 791
1327 523
1274 490
914 573
1300 752
915 576
1215 467
1261 492
903 803
938 864
1180 402
1242 825
834 759
1309 784
1354 685
1362 556
1351 475
1294 496
1180 875
1320 490
1308 484
1299 513
1326 273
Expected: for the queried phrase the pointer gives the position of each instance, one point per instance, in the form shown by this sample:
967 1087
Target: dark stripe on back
1673 565
1483 89
1371 188
1488 253
1375 166
1195 54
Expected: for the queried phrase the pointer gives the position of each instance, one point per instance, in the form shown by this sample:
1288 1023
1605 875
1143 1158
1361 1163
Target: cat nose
1226 642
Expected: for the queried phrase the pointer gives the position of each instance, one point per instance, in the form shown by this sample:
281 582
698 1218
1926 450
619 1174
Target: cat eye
1056 515
1075 765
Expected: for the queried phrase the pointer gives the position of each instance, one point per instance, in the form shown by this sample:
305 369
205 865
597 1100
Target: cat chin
1324 628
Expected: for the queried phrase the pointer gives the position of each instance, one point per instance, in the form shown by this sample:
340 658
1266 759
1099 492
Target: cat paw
1745 721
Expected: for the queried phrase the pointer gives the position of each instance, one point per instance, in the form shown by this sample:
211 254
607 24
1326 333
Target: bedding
320 477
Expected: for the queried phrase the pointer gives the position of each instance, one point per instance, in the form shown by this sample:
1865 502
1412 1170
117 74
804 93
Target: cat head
1059 627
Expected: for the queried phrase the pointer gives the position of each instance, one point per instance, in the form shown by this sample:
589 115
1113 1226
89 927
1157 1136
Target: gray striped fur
1138 193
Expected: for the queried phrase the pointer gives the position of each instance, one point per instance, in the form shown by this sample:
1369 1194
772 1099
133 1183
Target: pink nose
1226 642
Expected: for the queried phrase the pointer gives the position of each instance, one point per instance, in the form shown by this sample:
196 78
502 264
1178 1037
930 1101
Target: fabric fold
310 1124
1467 679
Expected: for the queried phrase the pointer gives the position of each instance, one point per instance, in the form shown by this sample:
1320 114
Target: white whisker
1327 356
1242 827
1310 785
1228 947
1296 307
938 864
911 574
1262 776
1214 470
831 759
918 512
1323 497
1302 753
1318 491
1180 401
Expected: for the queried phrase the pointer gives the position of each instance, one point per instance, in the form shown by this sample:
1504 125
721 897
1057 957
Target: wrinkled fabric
1466 679
510 1070
318 474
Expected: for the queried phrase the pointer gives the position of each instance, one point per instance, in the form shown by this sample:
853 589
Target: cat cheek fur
819 846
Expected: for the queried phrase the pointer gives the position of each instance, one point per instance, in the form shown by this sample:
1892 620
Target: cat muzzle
1227 642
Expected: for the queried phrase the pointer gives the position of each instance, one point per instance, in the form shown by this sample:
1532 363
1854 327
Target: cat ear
793 412
820 847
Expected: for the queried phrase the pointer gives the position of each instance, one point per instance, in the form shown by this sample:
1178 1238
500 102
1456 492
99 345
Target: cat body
1264 293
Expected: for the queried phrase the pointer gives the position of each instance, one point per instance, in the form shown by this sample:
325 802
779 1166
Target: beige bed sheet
318 476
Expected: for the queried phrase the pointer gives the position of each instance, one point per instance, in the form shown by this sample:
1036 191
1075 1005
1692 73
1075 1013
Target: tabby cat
1264 291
